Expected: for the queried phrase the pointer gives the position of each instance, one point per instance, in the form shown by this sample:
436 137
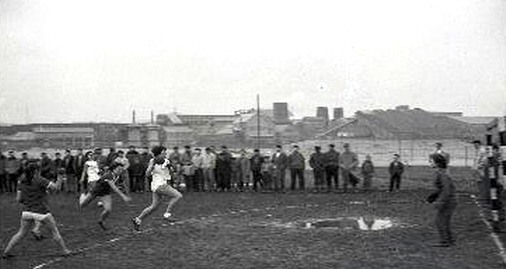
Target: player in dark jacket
396 170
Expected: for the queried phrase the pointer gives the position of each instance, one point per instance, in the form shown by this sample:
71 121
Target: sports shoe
100 204
167 215
137 224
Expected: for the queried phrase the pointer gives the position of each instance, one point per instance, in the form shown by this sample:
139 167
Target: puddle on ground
348 223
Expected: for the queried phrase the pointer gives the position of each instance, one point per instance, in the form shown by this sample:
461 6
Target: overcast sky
68 60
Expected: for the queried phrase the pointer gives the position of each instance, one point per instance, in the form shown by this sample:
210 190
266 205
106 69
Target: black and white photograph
345 134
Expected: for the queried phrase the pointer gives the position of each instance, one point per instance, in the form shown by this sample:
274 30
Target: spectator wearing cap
317 162
396 169
208 167
348 162
224 169
243 171
188 170
368 172
280 164
12 168
70 184
79 161
111 156
59 169
198 178
145 180
3 176
297 163
332 167
439 150
256 162
23 162
47 167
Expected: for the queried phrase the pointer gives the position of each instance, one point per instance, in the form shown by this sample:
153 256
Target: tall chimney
133 116
323 112
338 113
152 117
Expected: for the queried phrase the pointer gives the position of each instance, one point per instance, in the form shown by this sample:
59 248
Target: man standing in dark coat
256 162
70 173
135 170
317 162
297 164
396 169
47 168
224 169
332 167
79 161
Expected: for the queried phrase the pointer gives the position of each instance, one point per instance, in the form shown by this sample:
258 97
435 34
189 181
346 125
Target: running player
159 167
90 171
32 195
102 189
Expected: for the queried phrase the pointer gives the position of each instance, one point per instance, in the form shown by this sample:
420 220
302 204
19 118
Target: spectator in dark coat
243 171
396 170
101 160
12 167
135 170
47 168
70 173
78 165
145 179
23 162
317 162
367 172
111 156
188 170
224 169
256 162
280 163
332 167
297 164
59 168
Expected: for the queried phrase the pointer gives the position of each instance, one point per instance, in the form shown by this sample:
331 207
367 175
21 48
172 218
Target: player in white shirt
159 168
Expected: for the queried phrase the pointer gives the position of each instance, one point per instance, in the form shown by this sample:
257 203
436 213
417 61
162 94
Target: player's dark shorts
101 188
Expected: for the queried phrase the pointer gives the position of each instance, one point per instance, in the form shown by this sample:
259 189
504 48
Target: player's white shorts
27 215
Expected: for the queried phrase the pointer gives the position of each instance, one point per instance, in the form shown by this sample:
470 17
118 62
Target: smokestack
133 116
152 117
338 113
323 112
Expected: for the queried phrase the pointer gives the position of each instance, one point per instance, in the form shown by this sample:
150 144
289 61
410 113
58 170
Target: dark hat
278 146
332 145
175 148
476 142
224 146
296 146
397 155
68 150
438 144
187 147
317 148
256 150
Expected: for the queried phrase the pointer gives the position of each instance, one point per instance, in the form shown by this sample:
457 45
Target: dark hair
120 152
477 142
88 153
30 171
157 150
439 160
332 145
114 165
256 150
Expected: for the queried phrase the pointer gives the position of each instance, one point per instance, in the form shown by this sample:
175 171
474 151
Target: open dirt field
263 230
